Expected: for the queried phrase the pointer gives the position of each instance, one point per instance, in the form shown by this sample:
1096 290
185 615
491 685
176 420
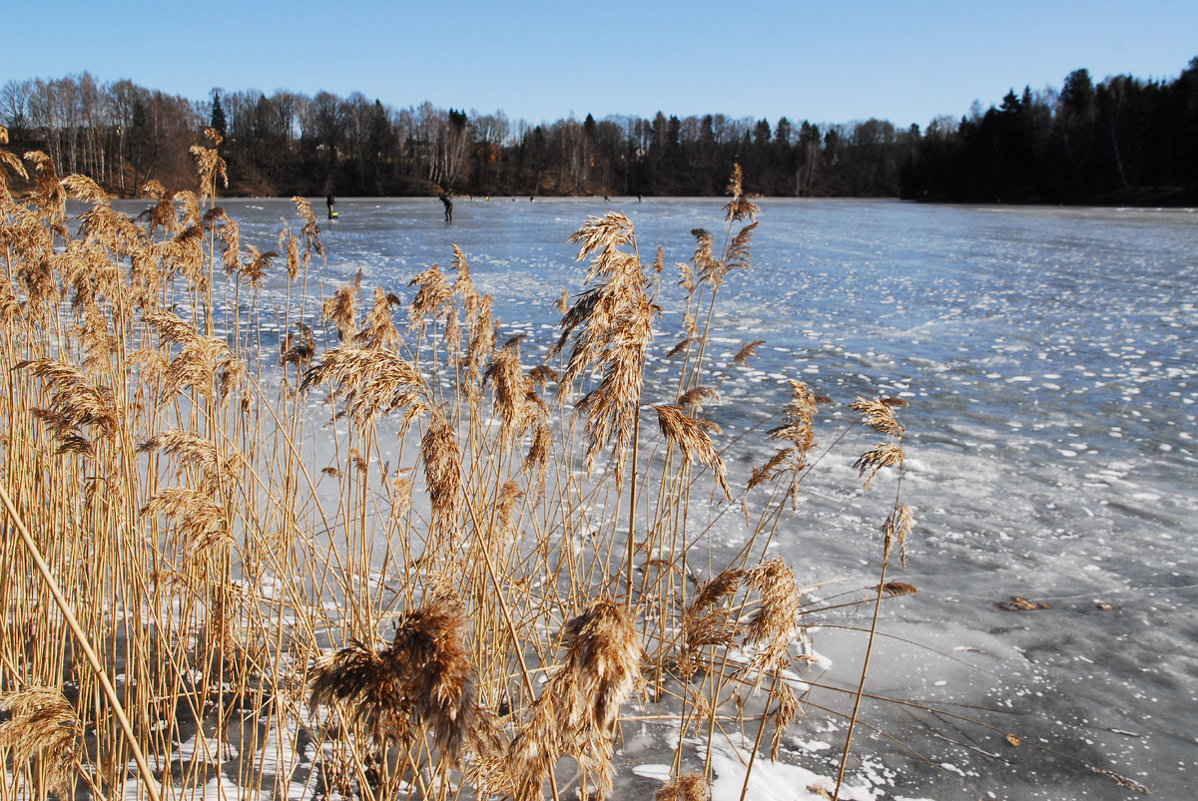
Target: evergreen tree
218 122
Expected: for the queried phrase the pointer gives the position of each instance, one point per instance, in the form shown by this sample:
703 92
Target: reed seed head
887 454
361 681
687 787
373 382
433 296
430 659
442 457
341 310
611 324
577 712
740 207
747 351
798 419
708 620
691 437
379 332
40 720
776 620
897 528
879 415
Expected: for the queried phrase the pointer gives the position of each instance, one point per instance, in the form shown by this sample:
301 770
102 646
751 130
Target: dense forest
1122 140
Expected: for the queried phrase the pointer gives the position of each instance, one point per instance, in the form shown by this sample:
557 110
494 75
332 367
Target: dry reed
39 724
215 550
578 711
687 787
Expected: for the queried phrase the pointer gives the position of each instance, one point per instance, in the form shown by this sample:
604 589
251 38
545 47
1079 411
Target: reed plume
687 787
401 497
697 397
423 679
738 249
209 165
40 723
578 710
361 680
505 507
432 298
184 254
776 621
481 331
539 450
681 347
740 206
789 707
13 162
196 366
93 279
162 216
611 325
879 415
433 665
463 285
172 328
50 197
253 268
886 454
74 401
228 232
378 331
192 451
798 418
100 225
442 457
298 348
691 437
708 620
289 246
515 398
895 589
310 231
747 351
373 383
200 522
33 246
341 310
703 259
895 530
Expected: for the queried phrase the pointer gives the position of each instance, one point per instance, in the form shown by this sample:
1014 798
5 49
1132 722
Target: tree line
1122 140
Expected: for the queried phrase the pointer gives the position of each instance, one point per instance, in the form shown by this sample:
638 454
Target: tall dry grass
275 610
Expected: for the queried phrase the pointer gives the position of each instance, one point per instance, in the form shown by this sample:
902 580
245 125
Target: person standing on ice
448 207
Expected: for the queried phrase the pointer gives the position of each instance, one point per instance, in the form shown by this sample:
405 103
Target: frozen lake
1049 359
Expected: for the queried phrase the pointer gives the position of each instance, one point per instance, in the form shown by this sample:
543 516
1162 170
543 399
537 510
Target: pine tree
218 122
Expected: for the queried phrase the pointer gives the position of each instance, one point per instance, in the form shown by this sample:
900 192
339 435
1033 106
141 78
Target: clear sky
828 62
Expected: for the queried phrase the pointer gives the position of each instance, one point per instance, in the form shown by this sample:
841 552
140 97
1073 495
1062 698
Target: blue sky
903 60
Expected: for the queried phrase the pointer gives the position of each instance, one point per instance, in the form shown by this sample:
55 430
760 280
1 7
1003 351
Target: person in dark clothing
330 201
448 207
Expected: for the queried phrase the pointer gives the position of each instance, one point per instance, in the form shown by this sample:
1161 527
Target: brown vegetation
177 526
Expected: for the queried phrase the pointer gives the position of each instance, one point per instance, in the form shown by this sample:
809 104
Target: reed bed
215 584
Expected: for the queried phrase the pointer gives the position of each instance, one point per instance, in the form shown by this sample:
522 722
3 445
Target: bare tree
14 107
